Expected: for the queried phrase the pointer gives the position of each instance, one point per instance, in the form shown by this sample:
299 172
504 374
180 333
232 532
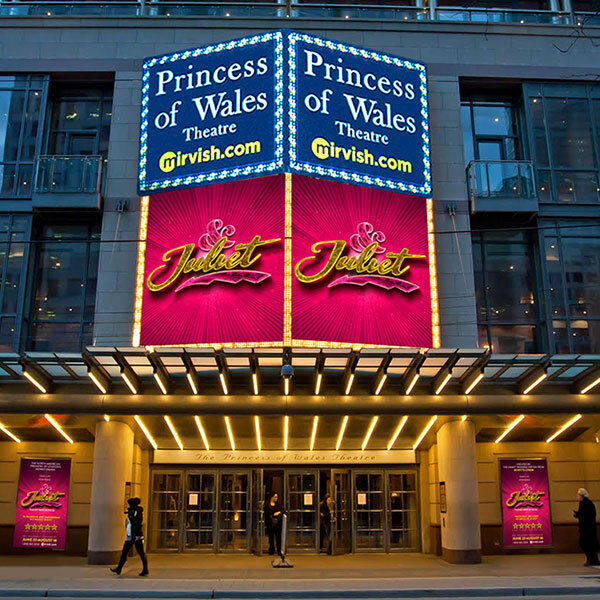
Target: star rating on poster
527 525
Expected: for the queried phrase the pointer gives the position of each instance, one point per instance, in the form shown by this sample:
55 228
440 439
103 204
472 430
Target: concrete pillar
457 466
113 458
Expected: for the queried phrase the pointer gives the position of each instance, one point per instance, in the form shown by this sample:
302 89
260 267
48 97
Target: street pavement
246 577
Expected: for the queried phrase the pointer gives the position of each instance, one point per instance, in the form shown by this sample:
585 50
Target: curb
299 594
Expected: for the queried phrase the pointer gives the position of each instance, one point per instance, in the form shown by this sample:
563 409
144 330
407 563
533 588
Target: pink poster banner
42 503
214 265
361 265
525 503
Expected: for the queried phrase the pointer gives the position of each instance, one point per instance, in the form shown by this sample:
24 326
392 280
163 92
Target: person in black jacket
135 536
588 537
325 522
273 523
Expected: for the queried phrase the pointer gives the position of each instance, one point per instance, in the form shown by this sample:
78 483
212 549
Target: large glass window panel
65 285
467 128
573 186
538 125
555 277
544 179
582 274
518 339
585 336
570 132
20 114
509 282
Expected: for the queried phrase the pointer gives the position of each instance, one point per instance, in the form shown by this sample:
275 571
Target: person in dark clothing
325 522
273 523
135 536
588 537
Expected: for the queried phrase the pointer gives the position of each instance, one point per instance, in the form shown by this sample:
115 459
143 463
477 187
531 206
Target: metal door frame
258 517
165 471
248 473
303 471
399 471
385 549
335 516
183 527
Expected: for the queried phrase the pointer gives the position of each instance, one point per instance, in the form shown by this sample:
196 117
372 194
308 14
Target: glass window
14 232
66 269
565 135
490 131
570 132
81 122
20 114
572 258
505 291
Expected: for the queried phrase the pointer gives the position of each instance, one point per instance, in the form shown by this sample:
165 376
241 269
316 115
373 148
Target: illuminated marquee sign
212 114
361 266
358 116
286 260
212 271
223 112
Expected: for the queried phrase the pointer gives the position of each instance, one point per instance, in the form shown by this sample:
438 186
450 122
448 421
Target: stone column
457 465
113 458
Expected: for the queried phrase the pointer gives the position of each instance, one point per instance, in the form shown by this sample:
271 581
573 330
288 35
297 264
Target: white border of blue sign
349 176
214 176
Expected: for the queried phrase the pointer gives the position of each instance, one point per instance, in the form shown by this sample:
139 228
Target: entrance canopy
297 381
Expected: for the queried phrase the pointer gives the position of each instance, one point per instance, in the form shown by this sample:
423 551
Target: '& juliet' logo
525 497
209 258
361 261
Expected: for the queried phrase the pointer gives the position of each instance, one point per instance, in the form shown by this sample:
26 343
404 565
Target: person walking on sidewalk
588 535
273 523
135 536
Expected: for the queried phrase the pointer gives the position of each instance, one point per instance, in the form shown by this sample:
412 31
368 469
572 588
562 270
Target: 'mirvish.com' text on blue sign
223 112
212 114
358 115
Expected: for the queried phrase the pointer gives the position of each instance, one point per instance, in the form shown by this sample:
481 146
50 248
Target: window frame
575 91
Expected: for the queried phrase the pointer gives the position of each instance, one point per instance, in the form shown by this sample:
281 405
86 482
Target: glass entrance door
302 510
200 512
234 512
258 507
165 510
403 516
341 519
369 499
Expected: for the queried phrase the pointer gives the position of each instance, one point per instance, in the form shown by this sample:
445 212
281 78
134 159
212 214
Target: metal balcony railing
68 175
311 9
499 185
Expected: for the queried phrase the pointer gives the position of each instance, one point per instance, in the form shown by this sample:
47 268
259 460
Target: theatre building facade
306 249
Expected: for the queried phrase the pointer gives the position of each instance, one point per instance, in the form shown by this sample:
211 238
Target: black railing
295 9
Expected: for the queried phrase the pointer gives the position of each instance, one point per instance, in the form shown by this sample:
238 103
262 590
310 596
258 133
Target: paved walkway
232 576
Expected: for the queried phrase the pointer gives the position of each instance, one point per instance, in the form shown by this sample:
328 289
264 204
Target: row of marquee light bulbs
286 430
37 378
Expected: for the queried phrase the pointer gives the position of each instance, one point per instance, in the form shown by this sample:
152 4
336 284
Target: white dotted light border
336 173
263 168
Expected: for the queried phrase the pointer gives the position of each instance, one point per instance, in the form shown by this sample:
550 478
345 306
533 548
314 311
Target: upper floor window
490 130
14 249
21 99
80 122
565 137
572 262
505 291
64 281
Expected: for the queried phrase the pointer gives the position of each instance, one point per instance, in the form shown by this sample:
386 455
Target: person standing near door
588 534
135 537
273 522
325 522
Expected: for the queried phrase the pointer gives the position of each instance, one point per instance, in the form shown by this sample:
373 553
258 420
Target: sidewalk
349 576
